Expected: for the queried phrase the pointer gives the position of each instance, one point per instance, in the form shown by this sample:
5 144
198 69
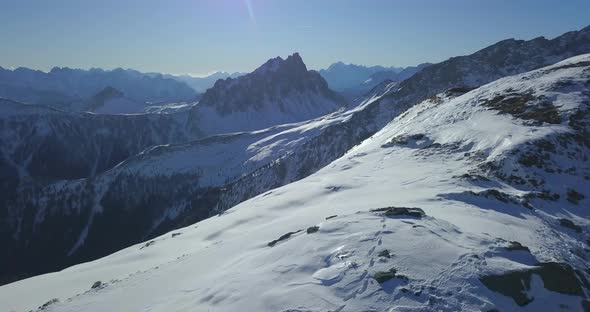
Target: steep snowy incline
478 240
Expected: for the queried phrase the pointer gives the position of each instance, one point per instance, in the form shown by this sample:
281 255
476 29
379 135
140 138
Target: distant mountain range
341 76
67 87
355 80
201 84
84 90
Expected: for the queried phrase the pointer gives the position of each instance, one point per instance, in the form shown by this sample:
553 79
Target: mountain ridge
473 224
296 151
65 87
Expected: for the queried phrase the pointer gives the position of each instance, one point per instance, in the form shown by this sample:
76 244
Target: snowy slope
447 156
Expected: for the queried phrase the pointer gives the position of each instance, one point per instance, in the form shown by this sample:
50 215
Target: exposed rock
557 277
570 225
401 211
282 238
148 244
313 229
48 303
525 106
574 197
383 276
96 284
384 253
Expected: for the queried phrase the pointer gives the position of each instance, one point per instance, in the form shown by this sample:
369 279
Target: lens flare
250 11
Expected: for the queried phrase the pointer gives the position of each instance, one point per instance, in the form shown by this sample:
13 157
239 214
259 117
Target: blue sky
201 36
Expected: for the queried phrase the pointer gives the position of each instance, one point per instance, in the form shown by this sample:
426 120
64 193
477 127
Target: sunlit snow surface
224 263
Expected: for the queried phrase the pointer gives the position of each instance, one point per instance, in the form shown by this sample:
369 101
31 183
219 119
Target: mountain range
353 80
467 175
66 87
84 90
201 84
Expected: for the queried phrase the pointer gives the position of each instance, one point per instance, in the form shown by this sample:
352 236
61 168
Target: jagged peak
272 82
293 62
295 58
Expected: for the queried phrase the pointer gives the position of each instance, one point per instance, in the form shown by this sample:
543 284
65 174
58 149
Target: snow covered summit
472 201
278 92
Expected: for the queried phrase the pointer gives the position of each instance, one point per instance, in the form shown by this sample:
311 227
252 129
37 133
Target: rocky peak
293 63
272 83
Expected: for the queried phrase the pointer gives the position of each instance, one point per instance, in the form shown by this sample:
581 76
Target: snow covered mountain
496 181
353 81
341 76
168 186
201 84
278 92
381 76
66 88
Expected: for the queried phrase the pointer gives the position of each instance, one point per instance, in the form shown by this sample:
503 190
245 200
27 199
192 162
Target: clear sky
201 36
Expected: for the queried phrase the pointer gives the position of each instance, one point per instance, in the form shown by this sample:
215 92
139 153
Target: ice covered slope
501 174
